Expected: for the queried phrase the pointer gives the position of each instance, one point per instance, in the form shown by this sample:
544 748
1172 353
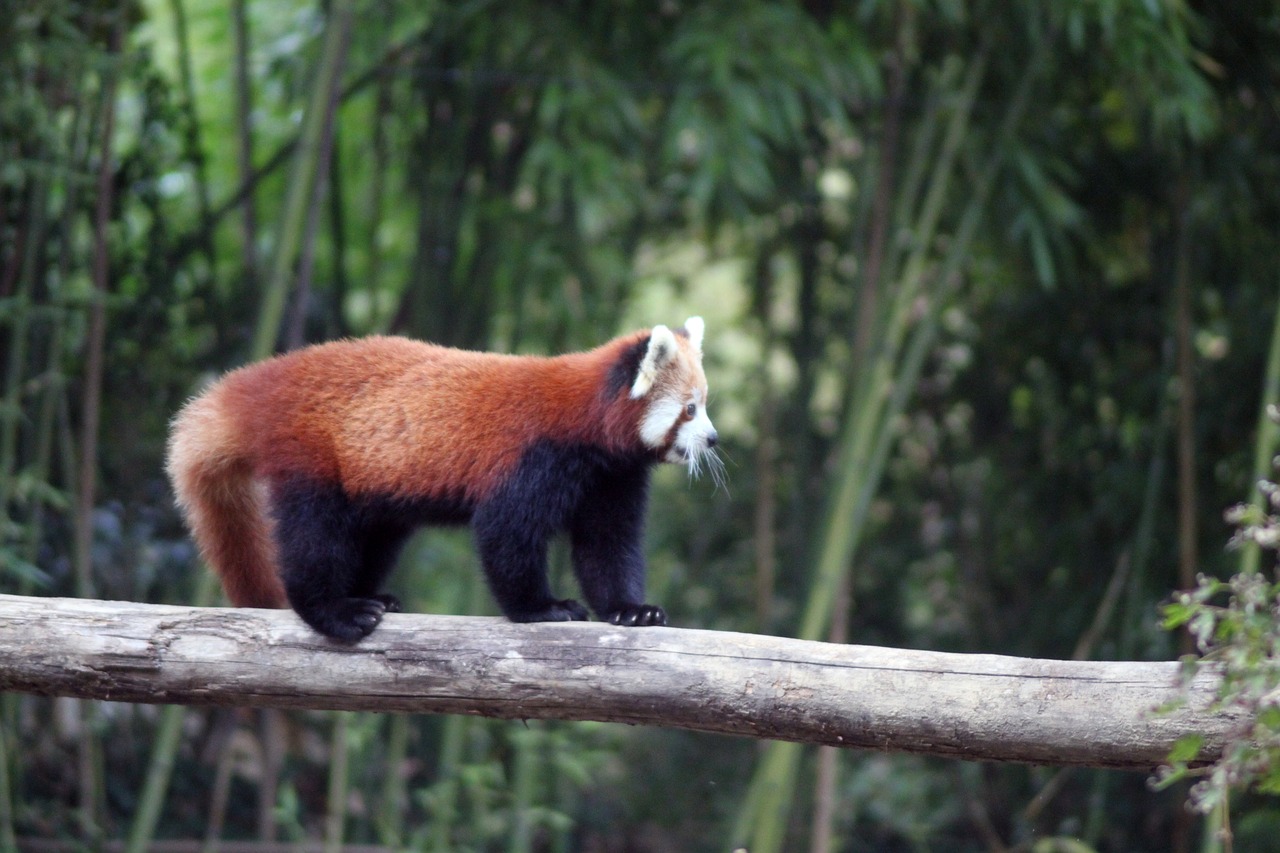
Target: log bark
983 707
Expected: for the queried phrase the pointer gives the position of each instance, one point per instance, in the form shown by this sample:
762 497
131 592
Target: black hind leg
380 546
322 562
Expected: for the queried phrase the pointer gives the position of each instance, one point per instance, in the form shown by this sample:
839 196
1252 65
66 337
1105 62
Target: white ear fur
695 327
662 348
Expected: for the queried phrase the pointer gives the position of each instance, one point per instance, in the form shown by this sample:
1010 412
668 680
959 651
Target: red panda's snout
695 438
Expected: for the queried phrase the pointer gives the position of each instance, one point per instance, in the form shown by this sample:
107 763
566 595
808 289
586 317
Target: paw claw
637 615
348 620
566 610
367 620
389 602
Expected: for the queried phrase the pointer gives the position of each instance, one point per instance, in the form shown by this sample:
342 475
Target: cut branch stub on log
984 707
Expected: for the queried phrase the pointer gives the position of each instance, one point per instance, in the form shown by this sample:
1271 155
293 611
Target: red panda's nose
712 438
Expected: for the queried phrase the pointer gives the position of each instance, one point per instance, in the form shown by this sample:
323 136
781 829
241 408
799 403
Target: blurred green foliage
1236 626
963 223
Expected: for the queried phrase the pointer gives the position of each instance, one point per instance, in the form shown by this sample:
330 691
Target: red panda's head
670 382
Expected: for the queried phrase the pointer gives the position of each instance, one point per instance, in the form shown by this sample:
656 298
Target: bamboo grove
992 306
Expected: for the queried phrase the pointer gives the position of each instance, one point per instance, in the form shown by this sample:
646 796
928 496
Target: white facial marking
659 418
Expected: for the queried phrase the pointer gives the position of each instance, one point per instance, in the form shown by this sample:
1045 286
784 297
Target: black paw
637 615
389 602
349 620
567 610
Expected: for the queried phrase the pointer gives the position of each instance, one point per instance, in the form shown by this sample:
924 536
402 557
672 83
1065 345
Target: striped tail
223 505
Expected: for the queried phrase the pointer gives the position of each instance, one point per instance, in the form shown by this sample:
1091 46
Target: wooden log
986 707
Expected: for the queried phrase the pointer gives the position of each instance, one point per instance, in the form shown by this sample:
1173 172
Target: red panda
301 476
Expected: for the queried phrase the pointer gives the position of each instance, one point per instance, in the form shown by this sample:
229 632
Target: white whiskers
703 457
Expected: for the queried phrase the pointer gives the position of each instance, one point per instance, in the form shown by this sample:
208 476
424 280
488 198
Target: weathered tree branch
966 706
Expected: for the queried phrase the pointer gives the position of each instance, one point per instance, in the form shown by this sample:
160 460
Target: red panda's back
387 415
455 423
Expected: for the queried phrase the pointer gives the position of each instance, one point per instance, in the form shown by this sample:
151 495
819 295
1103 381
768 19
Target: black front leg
513 551
607 535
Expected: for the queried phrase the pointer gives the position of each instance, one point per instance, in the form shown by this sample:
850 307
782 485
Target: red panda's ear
696 328
662 348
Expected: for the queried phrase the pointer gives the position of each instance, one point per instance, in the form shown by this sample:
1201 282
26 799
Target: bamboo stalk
524 774
867 409
452 741
375 205
46 428
159 772
54 389
88 750
160 769
192 137
295 335
194 240
1188 498
1265 445
394 799
8 841
336 196
764 538
167 741
826 777
454 736
219 796
565 792
339 783
271 735
11 408
868 436
882 202
244 144
303 180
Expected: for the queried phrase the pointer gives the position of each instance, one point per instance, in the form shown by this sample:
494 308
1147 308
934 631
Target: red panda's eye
691 410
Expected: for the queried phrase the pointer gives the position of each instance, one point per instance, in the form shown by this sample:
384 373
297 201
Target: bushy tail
224 507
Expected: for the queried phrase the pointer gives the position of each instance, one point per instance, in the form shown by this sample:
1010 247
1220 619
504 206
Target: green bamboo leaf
1176 614
1186 749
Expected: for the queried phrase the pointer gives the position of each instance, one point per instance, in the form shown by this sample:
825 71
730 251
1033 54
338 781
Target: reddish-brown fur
382 416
